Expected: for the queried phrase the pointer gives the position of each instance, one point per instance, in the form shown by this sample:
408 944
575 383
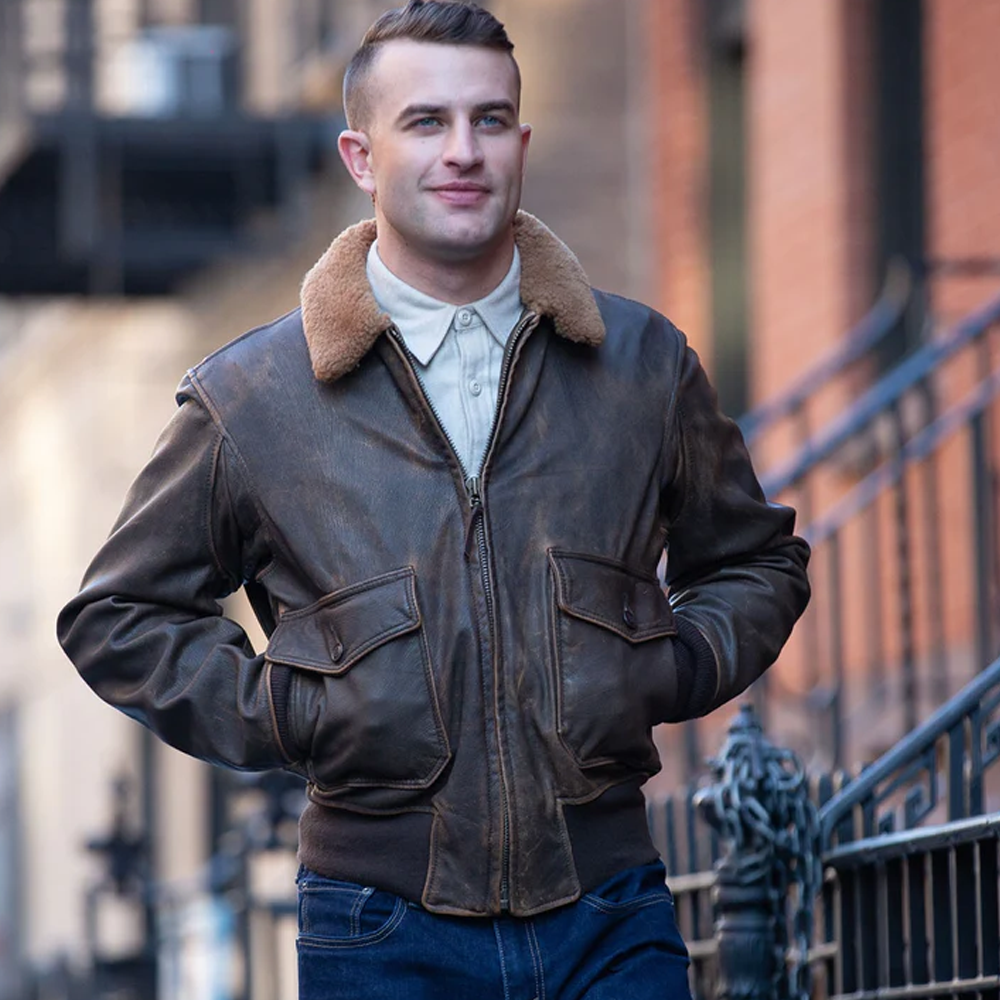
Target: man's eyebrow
436 110
500 105
411 110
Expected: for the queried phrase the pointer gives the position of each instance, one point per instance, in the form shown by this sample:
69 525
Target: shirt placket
474 386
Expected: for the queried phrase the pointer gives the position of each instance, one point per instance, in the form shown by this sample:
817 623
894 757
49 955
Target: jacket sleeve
146 631
736 572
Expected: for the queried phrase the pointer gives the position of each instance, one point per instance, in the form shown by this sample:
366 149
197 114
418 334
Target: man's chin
469 242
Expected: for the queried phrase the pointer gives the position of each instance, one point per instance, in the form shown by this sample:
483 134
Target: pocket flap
606 593
331 635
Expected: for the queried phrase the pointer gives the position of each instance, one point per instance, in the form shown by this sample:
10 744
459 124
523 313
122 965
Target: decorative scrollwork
958 727
886 822
918 804
920 799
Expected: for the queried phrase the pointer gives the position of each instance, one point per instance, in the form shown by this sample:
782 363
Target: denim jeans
618 942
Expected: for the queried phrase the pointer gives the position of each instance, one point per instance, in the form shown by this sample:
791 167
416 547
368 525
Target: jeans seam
639 903
359 903
536 958
503 962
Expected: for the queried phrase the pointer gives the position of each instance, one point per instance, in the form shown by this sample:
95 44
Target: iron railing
916 914
901 551
902 913
793 403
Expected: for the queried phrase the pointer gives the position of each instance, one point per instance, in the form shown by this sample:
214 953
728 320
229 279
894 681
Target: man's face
446 152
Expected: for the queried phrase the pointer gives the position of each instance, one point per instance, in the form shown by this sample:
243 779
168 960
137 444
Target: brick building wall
963 144
678 135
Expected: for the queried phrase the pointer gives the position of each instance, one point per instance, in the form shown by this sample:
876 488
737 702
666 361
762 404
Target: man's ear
356 151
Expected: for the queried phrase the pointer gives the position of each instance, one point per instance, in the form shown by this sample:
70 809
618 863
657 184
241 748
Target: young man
446 482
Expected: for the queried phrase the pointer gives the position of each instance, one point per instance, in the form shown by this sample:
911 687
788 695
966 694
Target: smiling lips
462 193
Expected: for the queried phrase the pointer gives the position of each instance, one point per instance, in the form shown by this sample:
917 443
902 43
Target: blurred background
808 189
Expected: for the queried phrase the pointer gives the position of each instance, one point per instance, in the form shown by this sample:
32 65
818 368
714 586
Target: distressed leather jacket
466 670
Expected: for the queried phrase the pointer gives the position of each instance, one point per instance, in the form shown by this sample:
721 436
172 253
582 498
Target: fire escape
131 153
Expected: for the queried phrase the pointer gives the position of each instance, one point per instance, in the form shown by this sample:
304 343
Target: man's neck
455 282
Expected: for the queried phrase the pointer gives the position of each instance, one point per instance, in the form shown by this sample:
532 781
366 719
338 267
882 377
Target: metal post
836 702
759 803
929 472
748 964
908 656
982 540
692 751
874 616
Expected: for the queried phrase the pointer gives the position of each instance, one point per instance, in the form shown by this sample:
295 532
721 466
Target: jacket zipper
473 486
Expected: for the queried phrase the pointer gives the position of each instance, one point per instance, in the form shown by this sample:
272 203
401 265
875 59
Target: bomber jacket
465 670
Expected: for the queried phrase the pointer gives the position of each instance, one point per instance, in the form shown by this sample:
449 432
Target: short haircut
444 22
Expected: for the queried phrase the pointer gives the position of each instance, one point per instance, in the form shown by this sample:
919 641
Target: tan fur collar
342 320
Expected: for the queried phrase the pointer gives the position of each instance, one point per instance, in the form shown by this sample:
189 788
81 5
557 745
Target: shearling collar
342 320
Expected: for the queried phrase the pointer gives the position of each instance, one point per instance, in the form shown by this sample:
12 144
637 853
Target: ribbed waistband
391 853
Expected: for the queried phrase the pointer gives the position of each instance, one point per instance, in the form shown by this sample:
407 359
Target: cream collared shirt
458 349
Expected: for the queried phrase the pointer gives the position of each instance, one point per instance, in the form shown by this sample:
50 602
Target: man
446 482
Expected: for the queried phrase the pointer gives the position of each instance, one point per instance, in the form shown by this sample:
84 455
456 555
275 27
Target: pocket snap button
337 652
628 615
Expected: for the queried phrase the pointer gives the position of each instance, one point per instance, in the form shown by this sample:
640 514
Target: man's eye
427 122
491 121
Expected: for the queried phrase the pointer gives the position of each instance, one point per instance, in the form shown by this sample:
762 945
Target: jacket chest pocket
363 710
614 661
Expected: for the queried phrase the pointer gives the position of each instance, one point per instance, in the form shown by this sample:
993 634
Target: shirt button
464 317
475 388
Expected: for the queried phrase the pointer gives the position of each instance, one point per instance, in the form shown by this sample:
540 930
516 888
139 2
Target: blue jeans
618 942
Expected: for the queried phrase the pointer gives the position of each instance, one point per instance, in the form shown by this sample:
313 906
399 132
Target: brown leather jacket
466 671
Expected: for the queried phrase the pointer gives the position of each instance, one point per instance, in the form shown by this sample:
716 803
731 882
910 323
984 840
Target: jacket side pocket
613 632
359 699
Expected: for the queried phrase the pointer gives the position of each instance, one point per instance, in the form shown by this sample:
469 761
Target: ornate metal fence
905 909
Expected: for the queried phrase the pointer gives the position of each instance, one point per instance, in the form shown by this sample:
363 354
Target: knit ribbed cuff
697 674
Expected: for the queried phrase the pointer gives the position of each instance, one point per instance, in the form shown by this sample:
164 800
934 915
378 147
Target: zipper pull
475 498
476 503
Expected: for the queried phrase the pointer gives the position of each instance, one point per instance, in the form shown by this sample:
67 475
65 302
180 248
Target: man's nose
463 149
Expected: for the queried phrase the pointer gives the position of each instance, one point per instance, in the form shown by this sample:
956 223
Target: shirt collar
424 321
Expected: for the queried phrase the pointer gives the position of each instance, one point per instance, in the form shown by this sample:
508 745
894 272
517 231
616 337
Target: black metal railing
904 906
939 769
793 402
905 541
916 914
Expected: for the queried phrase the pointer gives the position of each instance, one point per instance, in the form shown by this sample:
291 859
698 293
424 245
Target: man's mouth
462 192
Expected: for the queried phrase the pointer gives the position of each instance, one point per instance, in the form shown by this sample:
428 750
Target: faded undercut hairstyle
439 21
